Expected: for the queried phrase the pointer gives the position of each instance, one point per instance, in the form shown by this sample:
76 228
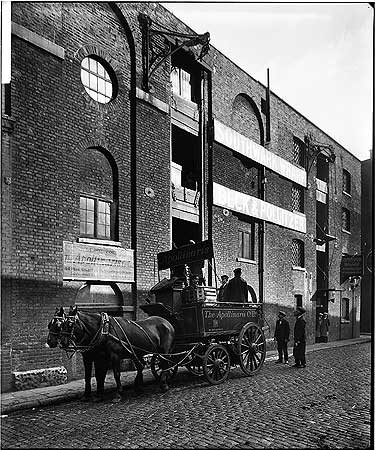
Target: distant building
119 139
367 220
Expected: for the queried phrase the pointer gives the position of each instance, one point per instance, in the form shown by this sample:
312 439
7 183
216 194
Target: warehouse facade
131 135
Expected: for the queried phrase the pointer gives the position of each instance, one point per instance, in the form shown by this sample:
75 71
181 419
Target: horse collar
105 323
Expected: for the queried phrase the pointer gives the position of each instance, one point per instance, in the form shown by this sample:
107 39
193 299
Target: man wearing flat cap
282 331
299 349
236 290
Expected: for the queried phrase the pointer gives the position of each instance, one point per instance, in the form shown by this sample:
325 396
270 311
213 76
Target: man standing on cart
236 290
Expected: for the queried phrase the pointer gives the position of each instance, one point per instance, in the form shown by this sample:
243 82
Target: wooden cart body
215 336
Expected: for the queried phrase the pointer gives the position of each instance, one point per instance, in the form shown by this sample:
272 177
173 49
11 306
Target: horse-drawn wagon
211 336
186 326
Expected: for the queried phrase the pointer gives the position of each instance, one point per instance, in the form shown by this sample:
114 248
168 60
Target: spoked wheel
216 364
195 365
156 369
251 348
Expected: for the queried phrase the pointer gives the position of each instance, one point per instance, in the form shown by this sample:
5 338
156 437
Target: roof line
275 95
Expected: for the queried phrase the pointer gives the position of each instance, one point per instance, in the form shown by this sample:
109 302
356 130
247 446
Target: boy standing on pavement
299 349
282 331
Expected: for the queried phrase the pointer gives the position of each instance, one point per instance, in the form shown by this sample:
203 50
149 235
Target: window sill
245 260
347 194
300 213
299 269
99 242
346 231
345 321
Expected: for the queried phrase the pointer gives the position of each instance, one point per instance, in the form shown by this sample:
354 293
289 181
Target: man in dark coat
224 284
236 290
299 349
282 331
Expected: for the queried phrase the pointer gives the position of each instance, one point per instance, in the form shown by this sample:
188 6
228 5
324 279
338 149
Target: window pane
85 63
85 78
246 246
93 82
101 70
101 86
93 65
185 85
90 229
175 81
90 204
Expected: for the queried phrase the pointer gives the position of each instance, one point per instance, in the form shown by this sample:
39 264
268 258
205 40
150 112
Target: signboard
97 262
220 319
351 266
185 255
254 207
241 144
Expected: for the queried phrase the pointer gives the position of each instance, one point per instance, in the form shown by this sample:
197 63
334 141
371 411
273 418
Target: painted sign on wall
241 144
185 255
351 266
97 262
254 207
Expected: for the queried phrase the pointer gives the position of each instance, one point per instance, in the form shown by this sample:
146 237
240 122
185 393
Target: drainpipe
133 145
209 192
262 189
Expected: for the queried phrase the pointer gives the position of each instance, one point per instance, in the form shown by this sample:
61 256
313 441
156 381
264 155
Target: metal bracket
156 46
314 148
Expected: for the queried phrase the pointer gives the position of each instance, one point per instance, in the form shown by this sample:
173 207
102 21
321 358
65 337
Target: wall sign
351 265
241 144
185 255
254 207
97 263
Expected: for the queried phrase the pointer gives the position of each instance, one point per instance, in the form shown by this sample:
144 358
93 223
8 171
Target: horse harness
103 333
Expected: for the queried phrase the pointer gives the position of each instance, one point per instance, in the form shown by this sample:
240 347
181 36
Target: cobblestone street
326 405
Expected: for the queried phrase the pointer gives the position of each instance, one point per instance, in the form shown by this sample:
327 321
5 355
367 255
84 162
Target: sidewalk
34 398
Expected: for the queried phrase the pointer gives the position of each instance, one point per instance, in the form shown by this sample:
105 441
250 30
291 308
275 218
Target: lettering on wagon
229 314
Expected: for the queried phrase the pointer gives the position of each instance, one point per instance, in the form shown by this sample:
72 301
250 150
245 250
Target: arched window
98 202
345 219
245 119
346 182
298 253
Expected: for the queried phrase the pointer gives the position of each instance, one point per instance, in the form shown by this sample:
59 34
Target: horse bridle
58 319
74 346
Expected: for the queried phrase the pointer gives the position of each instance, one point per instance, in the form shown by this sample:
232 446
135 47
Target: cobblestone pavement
325 405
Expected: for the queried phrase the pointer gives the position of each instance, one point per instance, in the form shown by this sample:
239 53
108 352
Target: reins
102 331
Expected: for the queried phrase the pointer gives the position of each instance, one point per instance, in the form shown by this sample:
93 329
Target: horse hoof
164 388
86 398
116 400
98 399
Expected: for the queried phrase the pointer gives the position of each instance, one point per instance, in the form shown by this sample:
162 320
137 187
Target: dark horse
89 357
111 339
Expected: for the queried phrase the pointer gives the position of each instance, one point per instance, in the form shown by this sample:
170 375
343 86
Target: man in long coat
281 336
236 290
299 349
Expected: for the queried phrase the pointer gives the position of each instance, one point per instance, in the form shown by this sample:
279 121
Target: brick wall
55 121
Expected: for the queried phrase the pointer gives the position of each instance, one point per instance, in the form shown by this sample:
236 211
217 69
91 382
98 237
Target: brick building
367 218
124 132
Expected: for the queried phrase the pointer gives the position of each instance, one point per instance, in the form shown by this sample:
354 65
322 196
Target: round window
98 79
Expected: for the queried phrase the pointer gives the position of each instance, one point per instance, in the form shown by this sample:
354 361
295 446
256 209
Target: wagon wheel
156 369
216 364
251 348
194 365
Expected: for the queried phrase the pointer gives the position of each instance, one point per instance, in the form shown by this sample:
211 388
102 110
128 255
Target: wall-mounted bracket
157 43
314 148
